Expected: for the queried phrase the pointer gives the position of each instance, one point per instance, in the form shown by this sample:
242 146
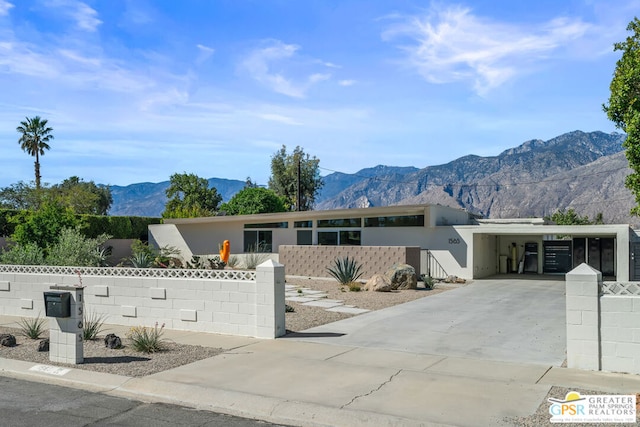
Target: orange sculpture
225 251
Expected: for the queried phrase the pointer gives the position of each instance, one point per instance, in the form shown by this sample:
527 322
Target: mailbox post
64 305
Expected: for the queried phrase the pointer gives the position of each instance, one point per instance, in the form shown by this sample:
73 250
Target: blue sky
137 90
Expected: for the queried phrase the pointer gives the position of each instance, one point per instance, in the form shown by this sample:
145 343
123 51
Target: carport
549 249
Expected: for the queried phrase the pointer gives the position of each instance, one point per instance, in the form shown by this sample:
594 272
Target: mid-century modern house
437 240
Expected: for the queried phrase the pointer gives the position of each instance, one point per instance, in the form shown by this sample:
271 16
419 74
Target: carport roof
529 229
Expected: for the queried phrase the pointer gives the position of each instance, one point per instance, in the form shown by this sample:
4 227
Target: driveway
512 320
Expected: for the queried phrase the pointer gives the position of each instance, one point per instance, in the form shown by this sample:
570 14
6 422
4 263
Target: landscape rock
7 340
43 345
402 276
378 283
454 279
112 341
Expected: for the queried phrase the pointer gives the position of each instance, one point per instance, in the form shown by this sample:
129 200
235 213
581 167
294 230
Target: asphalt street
30 404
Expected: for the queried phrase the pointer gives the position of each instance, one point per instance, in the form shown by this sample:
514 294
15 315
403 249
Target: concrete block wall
226 306
312 261
603 331
620 333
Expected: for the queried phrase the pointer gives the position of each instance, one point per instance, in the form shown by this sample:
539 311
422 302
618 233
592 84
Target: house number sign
454 241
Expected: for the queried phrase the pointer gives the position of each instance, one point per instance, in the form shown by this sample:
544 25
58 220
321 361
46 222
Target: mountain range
580 170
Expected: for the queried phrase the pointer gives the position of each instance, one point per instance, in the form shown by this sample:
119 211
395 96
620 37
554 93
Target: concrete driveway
511 320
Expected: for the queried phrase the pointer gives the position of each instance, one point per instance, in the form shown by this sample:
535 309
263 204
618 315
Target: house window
303 224
329 238
258 241
342 238
395 221
305 237
283 224
339 222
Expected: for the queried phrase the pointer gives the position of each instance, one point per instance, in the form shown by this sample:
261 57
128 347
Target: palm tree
35 135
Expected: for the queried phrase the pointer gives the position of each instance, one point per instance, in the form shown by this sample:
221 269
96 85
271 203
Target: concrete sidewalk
313 384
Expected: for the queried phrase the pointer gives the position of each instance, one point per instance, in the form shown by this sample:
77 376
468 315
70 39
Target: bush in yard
146 340
22 254
72 248
92 325
32 327
345 270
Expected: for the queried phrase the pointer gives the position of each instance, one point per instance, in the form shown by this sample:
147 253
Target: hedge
119 227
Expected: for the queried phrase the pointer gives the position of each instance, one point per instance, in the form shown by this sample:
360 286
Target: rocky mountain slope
579 170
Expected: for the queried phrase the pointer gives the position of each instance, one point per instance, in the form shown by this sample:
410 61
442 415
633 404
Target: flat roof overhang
604 230
306 215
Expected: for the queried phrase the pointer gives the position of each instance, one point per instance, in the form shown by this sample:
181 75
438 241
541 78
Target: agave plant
345 270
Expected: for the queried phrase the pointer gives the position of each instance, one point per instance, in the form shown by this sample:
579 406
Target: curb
228 402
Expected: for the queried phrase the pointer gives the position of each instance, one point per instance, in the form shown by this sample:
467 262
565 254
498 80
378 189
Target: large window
395 221
258 241
339 222
342 238
305 237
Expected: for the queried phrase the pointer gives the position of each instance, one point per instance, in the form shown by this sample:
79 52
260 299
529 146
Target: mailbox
57 304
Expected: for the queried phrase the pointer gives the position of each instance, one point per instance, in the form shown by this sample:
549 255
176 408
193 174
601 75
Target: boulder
378 283
43 345
402 276
112 341
7 340
454 279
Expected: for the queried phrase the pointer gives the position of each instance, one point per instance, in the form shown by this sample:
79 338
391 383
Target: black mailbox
57 304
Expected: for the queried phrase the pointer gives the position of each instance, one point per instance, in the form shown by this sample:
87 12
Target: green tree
624 104
570 217
43 226
254 200
190 196
34 139
284 177
19 196
83 197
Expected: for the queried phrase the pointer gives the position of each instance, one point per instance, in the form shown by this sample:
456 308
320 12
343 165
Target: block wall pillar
270 306
583 285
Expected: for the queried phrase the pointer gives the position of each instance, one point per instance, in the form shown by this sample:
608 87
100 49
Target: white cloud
451 44
85 17
4 7
278 118
347 82
260 64
205 53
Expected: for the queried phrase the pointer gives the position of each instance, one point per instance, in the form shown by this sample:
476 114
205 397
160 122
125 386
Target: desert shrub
72 248
22 254
233 261
256 256
216 263
32 327
345 270
355 287
429 283
93 324
289 309
146 340
141 260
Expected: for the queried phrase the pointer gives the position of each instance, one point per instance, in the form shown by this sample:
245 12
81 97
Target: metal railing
432 267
